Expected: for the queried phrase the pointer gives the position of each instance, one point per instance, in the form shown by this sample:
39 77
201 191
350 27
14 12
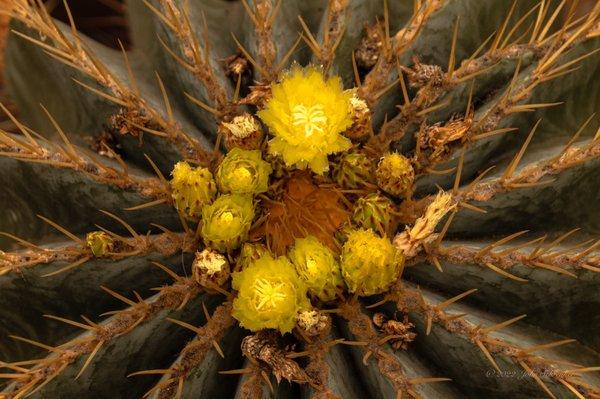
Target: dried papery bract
409 241
361 127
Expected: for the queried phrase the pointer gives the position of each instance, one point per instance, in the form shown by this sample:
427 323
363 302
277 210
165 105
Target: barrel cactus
139 259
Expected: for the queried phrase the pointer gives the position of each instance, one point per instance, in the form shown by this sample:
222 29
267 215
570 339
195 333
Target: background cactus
492 101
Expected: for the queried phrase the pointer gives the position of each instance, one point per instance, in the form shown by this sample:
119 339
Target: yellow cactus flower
306 114
270 295
370 264
317 266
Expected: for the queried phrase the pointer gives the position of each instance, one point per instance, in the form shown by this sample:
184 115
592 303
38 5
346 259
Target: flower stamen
268 293
312 119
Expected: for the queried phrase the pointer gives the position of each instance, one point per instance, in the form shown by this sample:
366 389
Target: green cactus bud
370 264
374 212
210 269
270 295
225 222
243 172
249 253
316 265
243 131
395 175
192 188
354 170
99 242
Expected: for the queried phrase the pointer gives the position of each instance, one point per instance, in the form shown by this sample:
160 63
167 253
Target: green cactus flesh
410 206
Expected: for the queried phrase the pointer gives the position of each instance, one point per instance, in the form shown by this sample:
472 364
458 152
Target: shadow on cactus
324 199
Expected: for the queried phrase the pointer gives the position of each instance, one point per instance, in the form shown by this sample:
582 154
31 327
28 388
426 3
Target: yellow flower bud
99 242
374 212
369 263
395 175
249 253
225 222
270 295
316 265
353 170
243 172
192 188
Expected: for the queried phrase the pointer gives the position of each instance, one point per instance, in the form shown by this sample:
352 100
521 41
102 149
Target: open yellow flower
270 295
306 114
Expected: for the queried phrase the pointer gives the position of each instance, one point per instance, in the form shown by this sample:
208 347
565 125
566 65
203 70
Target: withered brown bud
400 330
243 131
367 53
313 322
263 347
210 269
423 74
361 120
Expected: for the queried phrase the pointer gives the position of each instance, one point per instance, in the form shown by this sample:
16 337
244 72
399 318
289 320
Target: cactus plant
469 125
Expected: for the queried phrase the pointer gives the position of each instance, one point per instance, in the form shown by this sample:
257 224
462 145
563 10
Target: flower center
268 293
226 217
312 119
243 175
311 265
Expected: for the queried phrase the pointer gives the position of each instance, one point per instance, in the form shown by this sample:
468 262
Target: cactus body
256 191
